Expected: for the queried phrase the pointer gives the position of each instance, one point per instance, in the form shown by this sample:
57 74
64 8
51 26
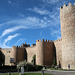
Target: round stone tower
67 17
14 52
39 53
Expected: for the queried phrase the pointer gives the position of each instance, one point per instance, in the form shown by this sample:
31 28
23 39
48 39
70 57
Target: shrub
19 65
38 67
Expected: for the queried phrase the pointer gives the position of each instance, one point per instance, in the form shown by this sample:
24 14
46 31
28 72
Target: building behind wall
62 49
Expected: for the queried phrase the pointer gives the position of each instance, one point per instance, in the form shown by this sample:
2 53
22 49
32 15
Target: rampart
7 54
20 55
67 16
31 51
58 48
44 52
17 53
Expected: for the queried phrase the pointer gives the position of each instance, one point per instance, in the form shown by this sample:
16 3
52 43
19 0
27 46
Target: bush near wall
30 67
8 67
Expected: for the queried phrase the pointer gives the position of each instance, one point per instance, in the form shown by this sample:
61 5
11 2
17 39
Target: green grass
36 74
29 74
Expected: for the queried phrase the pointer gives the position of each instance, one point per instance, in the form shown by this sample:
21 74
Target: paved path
55 72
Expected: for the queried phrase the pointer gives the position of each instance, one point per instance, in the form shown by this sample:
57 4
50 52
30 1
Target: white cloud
56 33
10 30
14 3
21 15
9 1
40 11
10 38
26 23
50 1
3 46
21 40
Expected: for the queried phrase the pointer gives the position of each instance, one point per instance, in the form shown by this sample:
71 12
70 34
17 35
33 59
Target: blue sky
29 20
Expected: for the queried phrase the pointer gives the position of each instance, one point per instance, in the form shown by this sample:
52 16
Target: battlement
58 40
48 41
33 45
17 47
69 5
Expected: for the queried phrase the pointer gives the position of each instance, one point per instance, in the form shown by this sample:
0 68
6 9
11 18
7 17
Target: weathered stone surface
67 16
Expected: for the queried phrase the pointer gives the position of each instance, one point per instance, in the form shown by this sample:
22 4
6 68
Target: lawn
29 74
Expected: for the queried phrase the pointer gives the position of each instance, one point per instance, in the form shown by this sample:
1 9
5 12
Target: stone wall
31 51
44 52
20 56
58 47
67 16
48 52
7 53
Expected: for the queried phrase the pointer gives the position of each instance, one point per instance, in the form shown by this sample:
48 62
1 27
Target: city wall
67 17
44 52
20 54
31 51
58 48
7 54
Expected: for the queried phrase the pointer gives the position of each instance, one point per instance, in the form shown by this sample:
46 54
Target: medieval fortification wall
31 51
67 16
7 54
17 53
58 48
45 50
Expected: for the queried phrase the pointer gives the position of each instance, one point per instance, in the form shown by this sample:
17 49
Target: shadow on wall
2 58
25 55
55 55
59 64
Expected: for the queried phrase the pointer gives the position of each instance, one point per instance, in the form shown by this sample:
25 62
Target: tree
54 62
33 61
21 64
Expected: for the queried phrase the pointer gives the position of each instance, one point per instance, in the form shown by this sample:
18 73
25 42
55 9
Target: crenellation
43 40
58 40
38 40
67 7
46 40
64 5
61 8
74 4
69 4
